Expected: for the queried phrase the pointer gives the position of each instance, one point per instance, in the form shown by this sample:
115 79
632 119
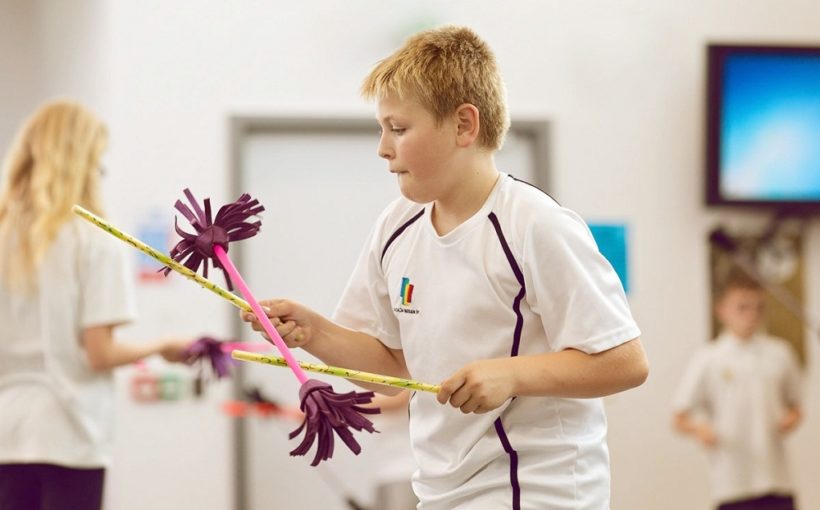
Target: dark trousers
768 502
50 487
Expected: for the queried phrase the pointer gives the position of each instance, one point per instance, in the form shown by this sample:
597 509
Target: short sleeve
691 394
365 302
572 286
106 291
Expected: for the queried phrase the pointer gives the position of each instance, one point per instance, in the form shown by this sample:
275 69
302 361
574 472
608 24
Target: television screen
763 126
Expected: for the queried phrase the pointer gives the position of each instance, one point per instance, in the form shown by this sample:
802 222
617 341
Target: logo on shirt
405 297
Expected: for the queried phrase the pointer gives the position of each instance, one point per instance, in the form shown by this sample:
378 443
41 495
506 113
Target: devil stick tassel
207 349
325 410
229 225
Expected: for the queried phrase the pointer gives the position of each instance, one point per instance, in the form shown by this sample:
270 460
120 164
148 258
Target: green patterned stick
386 380
242 304
165 259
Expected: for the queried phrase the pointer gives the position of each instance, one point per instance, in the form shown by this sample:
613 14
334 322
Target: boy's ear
468 124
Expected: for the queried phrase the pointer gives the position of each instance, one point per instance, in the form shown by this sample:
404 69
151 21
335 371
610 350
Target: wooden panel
778 262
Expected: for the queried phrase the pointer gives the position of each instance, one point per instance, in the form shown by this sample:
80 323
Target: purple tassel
229 225
207 348
327 412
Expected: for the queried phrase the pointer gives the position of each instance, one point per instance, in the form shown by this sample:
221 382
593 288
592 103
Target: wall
621 82
19 76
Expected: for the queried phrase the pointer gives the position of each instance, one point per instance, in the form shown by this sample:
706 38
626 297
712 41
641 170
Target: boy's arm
575 374
484 385
301 327
792 393
791 419
340 346
702 431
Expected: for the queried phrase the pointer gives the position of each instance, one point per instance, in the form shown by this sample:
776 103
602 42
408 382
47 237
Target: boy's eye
398 131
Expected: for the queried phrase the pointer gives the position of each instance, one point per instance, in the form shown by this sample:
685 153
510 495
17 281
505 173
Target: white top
522 276
744 389
53 408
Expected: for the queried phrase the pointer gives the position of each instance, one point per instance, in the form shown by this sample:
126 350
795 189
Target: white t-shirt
53 408
743 388
522 276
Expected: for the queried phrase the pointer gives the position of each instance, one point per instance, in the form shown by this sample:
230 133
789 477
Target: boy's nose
384 150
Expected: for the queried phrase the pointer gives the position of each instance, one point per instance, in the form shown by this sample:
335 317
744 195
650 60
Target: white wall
47 50
621 81
19 77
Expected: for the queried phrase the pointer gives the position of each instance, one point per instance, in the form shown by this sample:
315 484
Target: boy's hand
479 387
293 321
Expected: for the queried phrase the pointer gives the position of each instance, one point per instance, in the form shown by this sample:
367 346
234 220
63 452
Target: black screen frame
716 58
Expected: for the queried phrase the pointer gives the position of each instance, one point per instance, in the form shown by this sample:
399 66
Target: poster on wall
611 240
154 230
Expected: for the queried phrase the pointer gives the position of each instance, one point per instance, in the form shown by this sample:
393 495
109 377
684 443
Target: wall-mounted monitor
763 127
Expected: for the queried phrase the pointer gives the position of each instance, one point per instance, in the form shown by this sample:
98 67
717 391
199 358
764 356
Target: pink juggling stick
237 280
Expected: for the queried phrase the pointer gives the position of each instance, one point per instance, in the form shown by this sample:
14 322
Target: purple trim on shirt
398 232
505 442
516 179
519 325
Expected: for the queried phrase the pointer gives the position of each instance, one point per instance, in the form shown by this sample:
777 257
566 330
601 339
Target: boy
747 386
485 283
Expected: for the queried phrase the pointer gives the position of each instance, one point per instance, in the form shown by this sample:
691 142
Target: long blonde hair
52 165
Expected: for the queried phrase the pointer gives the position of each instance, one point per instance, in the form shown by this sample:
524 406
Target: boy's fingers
275 307
460 397
470 406
285 329
251 317
449 387
294 336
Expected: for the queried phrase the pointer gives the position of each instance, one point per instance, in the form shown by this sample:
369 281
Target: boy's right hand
294 322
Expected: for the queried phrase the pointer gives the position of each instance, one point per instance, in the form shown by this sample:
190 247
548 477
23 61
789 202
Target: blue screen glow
770 128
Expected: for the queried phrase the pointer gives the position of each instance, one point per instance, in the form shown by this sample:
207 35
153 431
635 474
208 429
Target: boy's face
741 311
417 150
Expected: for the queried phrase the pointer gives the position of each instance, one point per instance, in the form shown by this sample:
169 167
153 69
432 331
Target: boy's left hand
479 387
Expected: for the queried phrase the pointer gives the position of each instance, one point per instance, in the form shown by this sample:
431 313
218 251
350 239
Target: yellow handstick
161 257
242 304
357 375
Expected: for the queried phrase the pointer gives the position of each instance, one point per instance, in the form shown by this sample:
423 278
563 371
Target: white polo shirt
744 389
53 408
522 276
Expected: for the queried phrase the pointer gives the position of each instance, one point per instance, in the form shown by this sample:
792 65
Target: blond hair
737 281
444 68
52 165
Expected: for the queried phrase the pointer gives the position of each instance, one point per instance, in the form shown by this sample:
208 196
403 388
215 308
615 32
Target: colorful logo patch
406 292
405 300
